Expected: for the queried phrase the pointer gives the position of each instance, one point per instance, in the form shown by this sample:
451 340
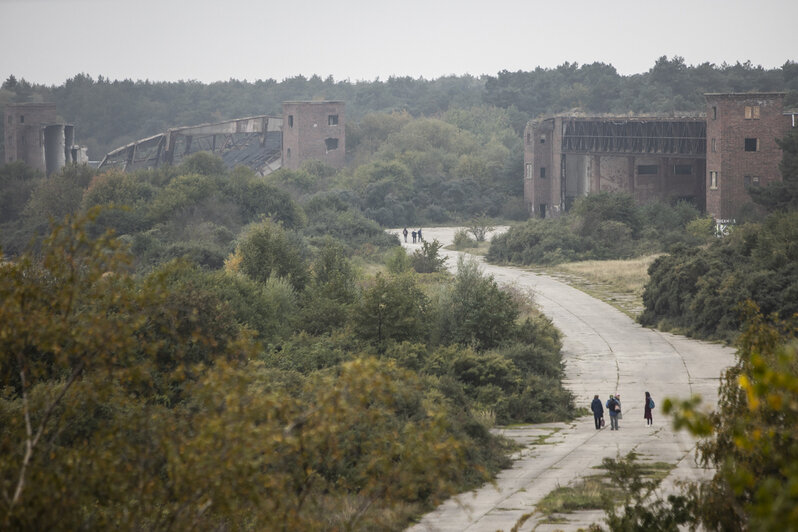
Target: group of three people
416 235
614 408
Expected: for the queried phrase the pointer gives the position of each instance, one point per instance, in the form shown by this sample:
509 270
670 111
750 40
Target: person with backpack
647 411
598 411
614 408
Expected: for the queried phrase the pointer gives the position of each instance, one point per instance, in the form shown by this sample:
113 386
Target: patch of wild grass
625 276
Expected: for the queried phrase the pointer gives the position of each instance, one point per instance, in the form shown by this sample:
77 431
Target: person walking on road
647 411
598 411
615 408
414 237
419 235
405 233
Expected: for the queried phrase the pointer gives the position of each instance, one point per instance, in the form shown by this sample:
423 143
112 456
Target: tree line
111 113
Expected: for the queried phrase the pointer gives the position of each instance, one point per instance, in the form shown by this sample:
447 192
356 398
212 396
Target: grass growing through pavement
605 491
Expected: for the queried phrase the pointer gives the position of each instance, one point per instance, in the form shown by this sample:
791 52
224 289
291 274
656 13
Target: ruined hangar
708 159
313 130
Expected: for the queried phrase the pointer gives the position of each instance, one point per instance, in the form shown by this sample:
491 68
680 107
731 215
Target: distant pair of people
613 407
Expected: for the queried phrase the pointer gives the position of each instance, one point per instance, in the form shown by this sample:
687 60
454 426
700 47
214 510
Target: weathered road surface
605 352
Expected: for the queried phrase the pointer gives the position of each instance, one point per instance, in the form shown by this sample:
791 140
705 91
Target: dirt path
605 352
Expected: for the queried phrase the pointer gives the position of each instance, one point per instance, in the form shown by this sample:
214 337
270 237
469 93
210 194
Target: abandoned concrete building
709 159
305 131
35 137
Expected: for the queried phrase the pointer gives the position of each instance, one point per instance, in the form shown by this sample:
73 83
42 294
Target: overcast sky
49 41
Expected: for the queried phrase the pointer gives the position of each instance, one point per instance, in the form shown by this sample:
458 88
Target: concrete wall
314 131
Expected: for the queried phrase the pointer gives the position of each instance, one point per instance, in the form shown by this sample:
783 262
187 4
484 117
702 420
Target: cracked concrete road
605 352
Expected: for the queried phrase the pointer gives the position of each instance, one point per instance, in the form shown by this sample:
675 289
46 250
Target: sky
50 41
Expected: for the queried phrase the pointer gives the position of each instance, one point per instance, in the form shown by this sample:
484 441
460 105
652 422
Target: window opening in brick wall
751 144
714 112
751 181
647 169
290 120
530 169
713 180
543 172
683 169
542 210
543 139
331 144
332 120
752 112
714 148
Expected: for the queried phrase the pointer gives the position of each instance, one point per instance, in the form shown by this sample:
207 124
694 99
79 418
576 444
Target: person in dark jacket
614 407
598 411
647 411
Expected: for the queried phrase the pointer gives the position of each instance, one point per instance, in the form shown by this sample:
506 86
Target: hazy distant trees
110 113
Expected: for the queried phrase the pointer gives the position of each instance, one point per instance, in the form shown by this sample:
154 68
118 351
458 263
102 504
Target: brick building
742 152
652 158
313 131
708 160
34 136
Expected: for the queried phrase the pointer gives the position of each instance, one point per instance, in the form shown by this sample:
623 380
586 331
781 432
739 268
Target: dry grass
626 276
617 282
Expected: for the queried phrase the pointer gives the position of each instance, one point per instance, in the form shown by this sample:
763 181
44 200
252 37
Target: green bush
267 249
475 311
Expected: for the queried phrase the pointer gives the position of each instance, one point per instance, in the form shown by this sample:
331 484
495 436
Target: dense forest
201 347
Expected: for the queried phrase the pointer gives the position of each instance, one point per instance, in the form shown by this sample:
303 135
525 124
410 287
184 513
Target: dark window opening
332 120
528 138
714 112
332 144
750 181
543 139
288 154
751 144
542 210
543 172
648 169
714 148
21 119
683 169
290 120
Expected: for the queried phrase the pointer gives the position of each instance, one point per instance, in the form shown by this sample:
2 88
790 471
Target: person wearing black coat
598 411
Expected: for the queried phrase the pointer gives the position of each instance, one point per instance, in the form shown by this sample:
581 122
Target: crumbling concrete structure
34 136
708 160
306 131
253 141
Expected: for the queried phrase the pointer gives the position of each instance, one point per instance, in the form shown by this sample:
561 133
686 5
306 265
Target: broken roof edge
695 116
313 101
742 94
206 124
